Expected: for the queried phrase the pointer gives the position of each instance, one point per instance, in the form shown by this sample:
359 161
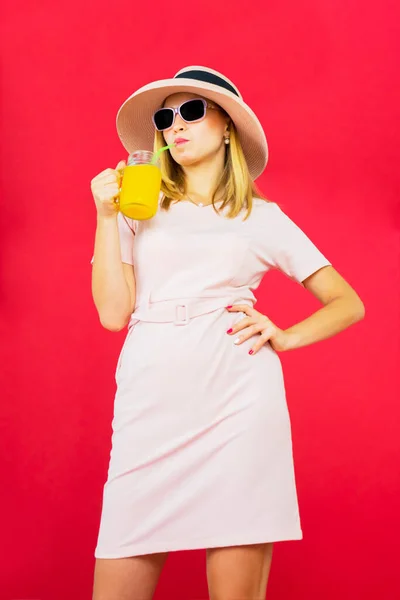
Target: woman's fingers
105 189
240 325
254 323
262 340
107 178
246 333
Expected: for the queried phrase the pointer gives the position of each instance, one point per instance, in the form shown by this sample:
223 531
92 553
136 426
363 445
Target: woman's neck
202 179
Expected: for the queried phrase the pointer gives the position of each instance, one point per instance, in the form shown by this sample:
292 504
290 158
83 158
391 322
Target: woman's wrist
106 218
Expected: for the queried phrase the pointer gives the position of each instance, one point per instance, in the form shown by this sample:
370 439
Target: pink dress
201 452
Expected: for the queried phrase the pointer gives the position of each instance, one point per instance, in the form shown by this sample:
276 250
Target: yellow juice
140 190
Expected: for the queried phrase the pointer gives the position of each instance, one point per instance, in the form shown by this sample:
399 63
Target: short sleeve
127 231
287 247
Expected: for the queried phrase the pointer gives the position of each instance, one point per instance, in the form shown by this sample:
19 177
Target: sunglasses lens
163 118
192 110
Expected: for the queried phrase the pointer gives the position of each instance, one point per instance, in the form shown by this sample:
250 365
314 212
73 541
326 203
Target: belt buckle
184 321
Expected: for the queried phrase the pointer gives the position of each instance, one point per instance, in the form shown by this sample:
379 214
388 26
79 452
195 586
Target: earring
226 140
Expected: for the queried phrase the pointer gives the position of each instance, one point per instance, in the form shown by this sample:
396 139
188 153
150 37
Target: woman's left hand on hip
256 322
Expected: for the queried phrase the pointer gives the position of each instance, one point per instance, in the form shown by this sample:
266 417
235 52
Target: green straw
157 154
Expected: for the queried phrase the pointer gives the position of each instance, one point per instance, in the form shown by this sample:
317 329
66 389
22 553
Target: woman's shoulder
276 218
267 206
267 213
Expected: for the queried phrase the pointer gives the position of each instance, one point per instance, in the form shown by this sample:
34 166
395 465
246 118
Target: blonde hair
235 182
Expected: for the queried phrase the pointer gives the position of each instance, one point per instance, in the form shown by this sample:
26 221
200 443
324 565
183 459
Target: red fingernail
229 331
251 351
229 306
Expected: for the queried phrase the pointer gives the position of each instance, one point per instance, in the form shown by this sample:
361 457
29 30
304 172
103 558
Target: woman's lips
180 141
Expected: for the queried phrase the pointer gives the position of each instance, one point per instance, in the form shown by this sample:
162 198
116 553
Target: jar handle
121 172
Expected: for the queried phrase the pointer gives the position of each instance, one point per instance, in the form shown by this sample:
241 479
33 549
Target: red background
323 79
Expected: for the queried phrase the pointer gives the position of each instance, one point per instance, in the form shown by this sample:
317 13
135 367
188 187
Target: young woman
201 447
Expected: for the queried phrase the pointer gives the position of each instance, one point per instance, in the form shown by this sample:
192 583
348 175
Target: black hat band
207 78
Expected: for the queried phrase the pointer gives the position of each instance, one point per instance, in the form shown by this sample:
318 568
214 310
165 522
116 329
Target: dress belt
179 312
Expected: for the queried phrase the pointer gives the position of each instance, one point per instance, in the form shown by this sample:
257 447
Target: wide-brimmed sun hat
136 130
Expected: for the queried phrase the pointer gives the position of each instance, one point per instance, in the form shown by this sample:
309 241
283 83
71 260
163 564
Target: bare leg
133 578
239 572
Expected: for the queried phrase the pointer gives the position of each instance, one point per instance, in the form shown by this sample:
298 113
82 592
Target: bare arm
342 308
113 282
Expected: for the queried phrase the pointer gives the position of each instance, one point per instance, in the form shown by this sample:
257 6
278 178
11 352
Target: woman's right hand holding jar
105 189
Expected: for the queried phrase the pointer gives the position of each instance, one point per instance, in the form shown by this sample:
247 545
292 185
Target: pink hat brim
135 127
